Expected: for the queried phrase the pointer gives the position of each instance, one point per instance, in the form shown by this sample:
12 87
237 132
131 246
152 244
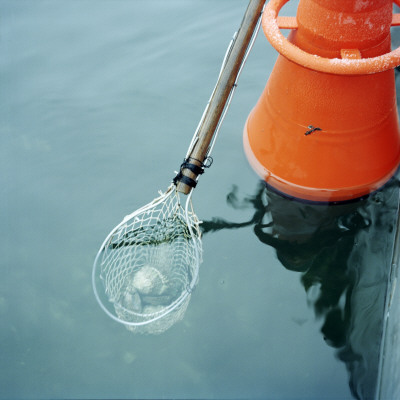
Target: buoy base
321 194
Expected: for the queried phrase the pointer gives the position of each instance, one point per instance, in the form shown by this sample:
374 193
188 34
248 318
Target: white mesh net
149 265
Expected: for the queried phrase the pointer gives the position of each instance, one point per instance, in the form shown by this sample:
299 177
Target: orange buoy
326 125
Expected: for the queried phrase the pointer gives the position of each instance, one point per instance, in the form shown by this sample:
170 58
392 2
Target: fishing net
148 265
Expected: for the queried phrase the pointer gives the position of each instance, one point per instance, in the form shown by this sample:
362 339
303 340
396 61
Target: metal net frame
149 264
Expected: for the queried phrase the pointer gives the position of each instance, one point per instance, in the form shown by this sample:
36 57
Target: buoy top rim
338 66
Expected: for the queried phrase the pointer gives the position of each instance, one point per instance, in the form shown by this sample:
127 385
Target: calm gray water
98 102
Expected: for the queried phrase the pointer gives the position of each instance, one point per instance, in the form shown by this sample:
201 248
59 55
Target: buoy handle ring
338 66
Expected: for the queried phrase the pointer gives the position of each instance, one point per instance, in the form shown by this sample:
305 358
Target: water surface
98 102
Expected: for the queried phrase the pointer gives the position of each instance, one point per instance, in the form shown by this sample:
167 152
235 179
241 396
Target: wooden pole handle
188 172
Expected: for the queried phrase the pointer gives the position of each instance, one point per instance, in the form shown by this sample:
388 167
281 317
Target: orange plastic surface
322 136
328 24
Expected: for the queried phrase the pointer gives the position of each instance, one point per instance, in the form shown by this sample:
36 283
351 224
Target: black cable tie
193 167
196 169
185 180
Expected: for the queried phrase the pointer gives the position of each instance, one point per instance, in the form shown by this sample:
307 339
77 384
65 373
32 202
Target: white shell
148 280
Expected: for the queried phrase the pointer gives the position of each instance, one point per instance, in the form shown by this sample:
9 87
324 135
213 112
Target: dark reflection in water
343 255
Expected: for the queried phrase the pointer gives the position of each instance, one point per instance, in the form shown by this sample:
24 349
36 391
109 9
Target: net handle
221 93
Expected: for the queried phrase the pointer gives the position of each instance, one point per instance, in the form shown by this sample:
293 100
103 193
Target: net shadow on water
343 254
